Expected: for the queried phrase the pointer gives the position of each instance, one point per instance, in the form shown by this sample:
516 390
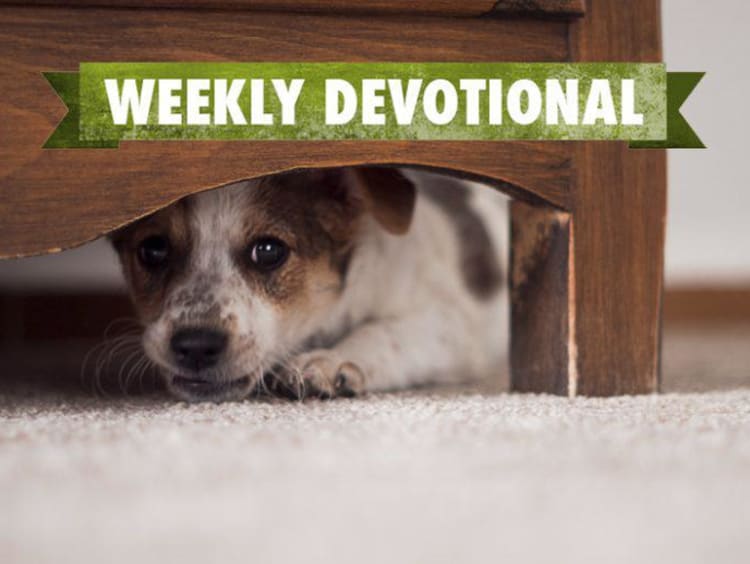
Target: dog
320 283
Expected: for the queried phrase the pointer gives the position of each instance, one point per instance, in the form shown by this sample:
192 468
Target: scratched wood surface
541 336
612 293
426 7
55 199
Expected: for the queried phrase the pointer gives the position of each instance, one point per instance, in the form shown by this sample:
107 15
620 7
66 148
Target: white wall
91 267
709 191
708 236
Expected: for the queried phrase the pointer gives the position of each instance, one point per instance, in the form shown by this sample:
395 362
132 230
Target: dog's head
229 281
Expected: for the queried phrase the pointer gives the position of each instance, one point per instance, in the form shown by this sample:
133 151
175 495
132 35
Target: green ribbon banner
113 102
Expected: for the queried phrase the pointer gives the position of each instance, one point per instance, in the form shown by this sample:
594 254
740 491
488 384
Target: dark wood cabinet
588 217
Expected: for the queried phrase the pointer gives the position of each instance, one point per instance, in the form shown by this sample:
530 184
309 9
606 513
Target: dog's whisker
147 366
100 356
132 367
141 366
131 326
86 359
125 364
95 355
260 386
134 356
106 357
283 364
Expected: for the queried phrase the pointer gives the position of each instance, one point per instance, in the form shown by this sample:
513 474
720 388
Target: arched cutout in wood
93 192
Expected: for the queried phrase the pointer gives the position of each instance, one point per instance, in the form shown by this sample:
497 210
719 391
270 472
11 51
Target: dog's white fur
415 321
404 318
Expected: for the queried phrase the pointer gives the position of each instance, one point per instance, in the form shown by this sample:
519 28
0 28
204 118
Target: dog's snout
198 348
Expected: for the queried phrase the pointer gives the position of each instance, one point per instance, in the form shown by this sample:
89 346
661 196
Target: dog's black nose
198 348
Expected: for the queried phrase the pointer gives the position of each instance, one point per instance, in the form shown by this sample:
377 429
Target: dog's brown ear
388 195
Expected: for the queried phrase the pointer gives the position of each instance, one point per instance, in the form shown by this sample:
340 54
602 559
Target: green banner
113 102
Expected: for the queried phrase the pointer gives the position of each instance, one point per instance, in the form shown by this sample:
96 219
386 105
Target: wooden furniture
587 219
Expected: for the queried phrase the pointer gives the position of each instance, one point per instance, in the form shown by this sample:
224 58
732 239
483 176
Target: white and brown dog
326 283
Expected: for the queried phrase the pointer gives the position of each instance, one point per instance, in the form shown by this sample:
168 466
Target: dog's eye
154 251
268 253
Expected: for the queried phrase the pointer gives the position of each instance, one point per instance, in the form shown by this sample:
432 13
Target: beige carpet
469 475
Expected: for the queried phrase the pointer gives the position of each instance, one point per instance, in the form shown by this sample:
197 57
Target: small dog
321 283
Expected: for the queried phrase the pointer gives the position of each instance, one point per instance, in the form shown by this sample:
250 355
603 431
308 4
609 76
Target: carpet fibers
437 475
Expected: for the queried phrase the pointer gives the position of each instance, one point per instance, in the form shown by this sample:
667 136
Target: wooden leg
540 284
586 288
619 221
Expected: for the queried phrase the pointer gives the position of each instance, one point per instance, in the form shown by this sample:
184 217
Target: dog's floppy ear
383 192
387 194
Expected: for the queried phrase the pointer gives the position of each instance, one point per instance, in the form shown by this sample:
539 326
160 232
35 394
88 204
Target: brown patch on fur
478 258
389 196
148 289
313 213
318 212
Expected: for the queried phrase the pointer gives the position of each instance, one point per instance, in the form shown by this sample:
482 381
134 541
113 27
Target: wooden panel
53 199
619 215
707 305
540 342
426 7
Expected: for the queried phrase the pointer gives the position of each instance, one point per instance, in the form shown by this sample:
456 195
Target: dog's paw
319 374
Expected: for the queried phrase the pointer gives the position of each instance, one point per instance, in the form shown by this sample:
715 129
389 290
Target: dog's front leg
387 354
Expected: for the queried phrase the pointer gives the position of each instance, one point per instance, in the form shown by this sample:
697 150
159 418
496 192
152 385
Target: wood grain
422 7
707 305
612 292
540 351
619 216
55 199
